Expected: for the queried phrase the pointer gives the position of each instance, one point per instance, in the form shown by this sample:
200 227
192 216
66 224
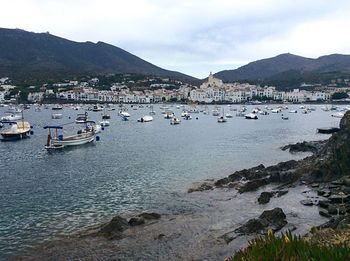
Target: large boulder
274 219
114 228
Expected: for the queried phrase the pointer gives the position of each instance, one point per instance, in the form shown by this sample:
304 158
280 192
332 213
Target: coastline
211 233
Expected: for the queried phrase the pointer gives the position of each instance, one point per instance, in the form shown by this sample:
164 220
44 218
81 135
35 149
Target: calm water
133 167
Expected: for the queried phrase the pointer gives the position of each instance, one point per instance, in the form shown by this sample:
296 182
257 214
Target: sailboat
222 118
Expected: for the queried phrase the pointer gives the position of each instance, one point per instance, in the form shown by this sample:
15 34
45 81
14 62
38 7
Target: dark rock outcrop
332 161
114 228
265 196
136 221
273 219
305 146
150 215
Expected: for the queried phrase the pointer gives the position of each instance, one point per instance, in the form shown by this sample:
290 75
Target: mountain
288 70
27 55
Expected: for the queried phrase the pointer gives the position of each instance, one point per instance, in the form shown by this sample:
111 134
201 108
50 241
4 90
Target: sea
133 167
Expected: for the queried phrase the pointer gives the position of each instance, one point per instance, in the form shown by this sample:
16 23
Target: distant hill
288 70
27 55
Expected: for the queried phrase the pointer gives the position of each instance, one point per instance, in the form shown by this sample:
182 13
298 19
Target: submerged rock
136 221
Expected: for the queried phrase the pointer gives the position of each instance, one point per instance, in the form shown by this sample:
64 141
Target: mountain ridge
289 69
26 54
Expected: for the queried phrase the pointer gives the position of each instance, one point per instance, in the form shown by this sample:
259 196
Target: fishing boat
169 115
15 130
124 114
59 141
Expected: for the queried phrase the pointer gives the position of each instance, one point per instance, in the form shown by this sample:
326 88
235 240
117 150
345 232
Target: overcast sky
193 36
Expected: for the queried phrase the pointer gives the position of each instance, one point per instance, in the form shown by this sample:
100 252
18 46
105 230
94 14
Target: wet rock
332 210
201 187
338 199
324 214
252 185
114 228
311 146
274 219
265 197
315 185
323 204
229 236
150 215
281 193
307 202
136 221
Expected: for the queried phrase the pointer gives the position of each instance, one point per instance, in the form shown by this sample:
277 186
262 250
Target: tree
339 95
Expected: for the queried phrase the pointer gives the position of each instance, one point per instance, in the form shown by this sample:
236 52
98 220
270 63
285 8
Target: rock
307 202
265 197
315 185
338 199
252 185
274 219
229 236
323 204
201 187
324 214
114 228
252 226
332 210
281 193
311 146
346 181
150 215
136 221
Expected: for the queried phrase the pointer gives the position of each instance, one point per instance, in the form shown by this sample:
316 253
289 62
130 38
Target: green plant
289 247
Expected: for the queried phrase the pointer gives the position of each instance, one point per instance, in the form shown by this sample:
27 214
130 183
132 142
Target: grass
290 247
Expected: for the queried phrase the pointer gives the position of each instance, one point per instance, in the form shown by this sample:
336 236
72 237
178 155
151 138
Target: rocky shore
292 195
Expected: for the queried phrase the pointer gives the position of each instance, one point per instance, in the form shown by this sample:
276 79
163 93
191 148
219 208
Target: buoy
69 117
102 128
31 132
31 127
196 118
97 138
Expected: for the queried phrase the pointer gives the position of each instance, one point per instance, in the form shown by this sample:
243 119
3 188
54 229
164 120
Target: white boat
278 110
293 111
222 119
104 123
81 118
124 114
56 116
97 108
15 131
251 116
11 117
215 112
338 115
56 141
57 107
228 115
146 118
185 114
175 121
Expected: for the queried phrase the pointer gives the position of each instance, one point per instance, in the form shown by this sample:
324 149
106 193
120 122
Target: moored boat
146 118
59 141
251 116
15 130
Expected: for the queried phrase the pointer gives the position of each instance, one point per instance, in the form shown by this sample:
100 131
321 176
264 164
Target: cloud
194 36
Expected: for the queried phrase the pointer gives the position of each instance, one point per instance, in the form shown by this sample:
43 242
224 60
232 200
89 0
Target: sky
193 36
